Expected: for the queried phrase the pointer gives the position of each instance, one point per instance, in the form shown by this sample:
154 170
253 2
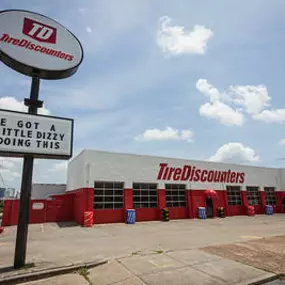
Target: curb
265 280
32 276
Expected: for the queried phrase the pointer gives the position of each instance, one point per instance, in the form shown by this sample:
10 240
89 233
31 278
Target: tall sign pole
26 186
41 48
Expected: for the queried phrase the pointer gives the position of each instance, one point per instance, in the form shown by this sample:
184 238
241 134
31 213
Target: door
209 205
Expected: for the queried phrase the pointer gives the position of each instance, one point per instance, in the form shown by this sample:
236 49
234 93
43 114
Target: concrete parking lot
149 252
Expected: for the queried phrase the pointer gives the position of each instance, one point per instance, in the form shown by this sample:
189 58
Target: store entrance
210 210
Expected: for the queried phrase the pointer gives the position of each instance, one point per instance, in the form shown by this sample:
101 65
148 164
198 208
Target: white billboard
30 41
41 136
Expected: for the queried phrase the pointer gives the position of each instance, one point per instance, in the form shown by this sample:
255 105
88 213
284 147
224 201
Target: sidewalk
179 268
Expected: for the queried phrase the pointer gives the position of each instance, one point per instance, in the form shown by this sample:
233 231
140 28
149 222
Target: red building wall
72 205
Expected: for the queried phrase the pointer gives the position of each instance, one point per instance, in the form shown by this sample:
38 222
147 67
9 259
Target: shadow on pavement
67 224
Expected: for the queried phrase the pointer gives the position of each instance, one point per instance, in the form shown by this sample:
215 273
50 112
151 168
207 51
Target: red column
128 199
161 193
161 196
189 205
192 205
128 202
226 203
89 192
262 201
279 201
244 200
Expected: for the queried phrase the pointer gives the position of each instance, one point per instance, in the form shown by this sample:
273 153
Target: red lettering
4 37
39 31
37 48
165 174
186 172
223 176
210 176
32 46
237 177
23 42
43 50
192 173
197 175
217 176
229 176
162 167
10 40
204 175
171 170
177 174
241 180
233 177
16 42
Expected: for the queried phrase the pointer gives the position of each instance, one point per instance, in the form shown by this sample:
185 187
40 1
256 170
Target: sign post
41 48
26 186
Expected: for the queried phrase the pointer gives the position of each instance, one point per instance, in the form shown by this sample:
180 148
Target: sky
189 79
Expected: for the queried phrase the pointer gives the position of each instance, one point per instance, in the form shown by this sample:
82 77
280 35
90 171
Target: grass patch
83 271
139 252
159 251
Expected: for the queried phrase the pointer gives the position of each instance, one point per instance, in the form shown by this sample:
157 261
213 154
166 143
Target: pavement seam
44 274
131 272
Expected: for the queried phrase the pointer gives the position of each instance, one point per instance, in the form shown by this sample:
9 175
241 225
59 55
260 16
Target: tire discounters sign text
192 173
34 44
41 136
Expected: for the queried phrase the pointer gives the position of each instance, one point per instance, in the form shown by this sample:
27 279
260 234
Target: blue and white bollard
131 216
202 213
269 210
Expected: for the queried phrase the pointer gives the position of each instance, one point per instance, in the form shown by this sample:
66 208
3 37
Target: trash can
250 211
269 210
88 219
165 214
131 216
202 213
221 212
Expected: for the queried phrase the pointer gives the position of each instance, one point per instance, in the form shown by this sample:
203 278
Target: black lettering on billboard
52 128
3 122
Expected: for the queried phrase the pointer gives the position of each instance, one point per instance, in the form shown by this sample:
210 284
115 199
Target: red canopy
211 193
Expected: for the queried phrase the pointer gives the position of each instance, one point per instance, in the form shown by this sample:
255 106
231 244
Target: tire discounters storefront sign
41 136
35 44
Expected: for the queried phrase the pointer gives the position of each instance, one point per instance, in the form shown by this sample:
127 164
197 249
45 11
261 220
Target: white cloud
253 98
10 169
231 106
209 90
271 116
223 113
235 152
167 134
174 40
11 103
282 141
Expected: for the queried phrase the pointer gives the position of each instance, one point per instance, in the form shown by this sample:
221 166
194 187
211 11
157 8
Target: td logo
39 31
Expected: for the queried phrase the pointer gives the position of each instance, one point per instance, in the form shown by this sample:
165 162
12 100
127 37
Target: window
175 195
234 195
108 195
145 195
270 195
253 195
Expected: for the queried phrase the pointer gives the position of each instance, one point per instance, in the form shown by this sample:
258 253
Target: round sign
36 45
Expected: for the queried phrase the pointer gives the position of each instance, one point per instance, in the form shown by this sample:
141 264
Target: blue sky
152 83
